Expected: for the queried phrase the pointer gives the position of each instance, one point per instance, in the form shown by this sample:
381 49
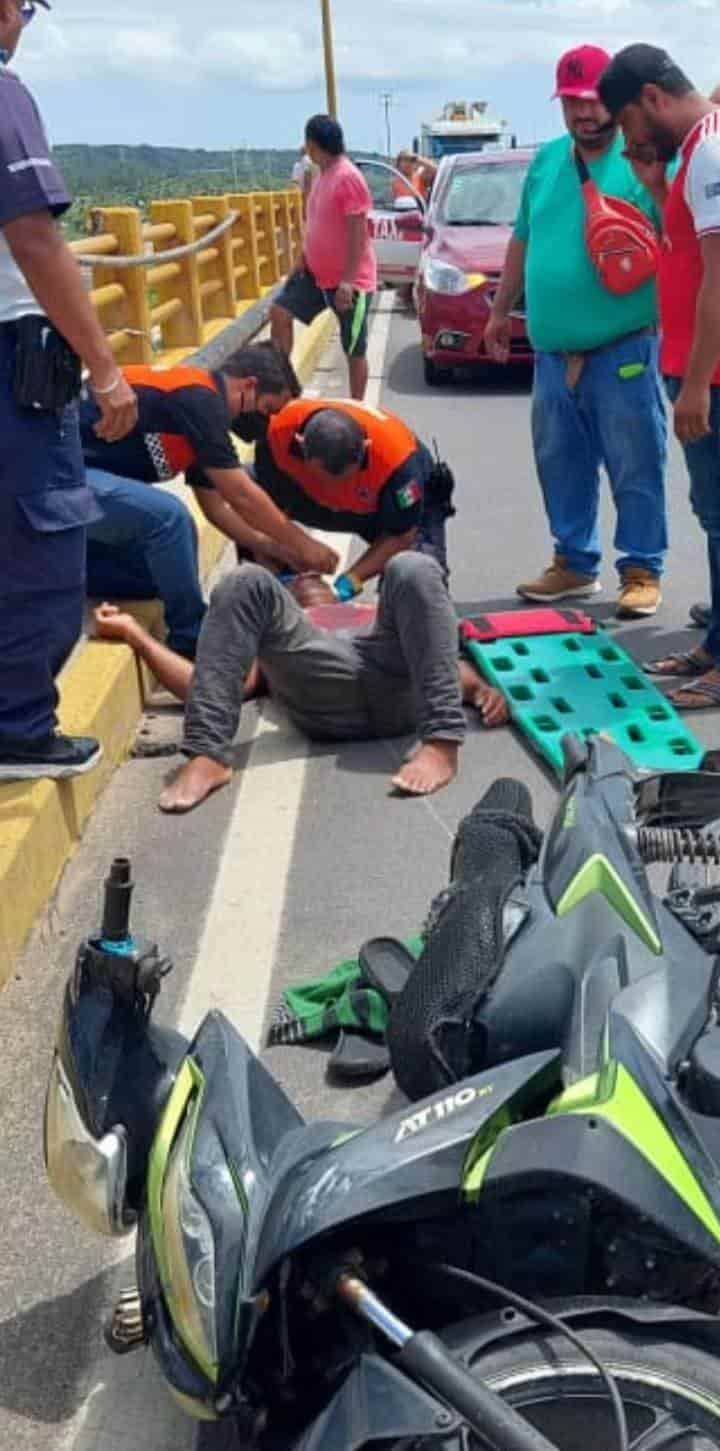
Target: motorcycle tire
670 1389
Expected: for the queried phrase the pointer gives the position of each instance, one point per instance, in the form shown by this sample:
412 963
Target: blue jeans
611 420
703 464
145 547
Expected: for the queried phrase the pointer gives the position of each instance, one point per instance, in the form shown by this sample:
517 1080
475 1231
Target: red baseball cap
579 70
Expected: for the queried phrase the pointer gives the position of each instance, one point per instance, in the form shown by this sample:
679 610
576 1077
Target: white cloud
377 41
443 47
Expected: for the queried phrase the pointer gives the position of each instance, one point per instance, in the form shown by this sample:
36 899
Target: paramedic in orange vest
142 542
345 467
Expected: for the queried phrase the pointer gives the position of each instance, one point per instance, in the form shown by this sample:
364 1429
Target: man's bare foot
113 624
489 702
193 784
432 766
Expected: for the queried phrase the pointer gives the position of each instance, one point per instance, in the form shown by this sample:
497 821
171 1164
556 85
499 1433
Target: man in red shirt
337 268
663 115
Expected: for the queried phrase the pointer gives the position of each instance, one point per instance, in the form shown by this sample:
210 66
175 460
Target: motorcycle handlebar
426 1359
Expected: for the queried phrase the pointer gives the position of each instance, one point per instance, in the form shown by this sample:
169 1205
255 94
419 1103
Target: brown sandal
707 690
686 665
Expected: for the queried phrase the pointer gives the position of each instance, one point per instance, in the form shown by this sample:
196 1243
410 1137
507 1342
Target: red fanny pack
620 239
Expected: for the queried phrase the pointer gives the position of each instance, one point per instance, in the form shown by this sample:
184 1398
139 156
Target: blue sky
217 73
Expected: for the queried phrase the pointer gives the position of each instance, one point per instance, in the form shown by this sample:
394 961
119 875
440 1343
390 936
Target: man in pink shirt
337 268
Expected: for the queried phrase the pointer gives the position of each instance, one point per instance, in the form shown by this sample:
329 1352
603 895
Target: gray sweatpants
402 677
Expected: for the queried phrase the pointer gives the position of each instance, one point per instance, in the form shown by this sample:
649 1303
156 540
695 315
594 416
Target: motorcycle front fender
481 1335
378 1403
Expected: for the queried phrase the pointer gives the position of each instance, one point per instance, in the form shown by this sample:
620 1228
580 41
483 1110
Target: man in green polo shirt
597 399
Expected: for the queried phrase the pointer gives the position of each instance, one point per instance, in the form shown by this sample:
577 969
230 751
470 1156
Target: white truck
396 221
461 126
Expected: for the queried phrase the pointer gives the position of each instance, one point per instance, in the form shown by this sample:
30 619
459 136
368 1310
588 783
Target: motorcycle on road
528 1257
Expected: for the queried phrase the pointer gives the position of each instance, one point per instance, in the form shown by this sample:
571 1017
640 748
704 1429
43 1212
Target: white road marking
239 942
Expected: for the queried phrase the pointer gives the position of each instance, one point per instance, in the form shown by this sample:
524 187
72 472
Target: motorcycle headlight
185 1248
89 1175
443 277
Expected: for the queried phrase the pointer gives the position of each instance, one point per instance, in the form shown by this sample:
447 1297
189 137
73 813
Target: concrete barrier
102 693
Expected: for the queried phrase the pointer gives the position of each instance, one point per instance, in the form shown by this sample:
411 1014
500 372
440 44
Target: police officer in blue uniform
47 325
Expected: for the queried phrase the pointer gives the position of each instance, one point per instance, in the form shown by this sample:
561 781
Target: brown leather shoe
559 583
639 593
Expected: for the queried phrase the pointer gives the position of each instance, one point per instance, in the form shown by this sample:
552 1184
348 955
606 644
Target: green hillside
135 175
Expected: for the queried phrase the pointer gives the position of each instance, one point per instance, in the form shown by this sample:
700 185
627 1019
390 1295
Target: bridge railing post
285 232
217 276
244 245
278 213
295 222
120 294
175 286
265 214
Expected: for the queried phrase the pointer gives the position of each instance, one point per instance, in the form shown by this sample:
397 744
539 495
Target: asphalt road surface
273 880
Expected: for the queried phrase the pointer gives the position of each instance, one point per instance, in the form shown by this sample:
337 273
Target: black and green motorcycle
529 1257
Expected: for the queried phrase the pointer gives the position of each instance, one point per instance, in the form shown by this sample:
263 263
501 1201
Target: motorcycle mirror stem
132 967
116 909
426 1360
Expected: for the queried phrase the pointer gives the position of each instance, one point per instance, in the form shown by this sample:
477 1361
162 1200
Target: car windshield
487 194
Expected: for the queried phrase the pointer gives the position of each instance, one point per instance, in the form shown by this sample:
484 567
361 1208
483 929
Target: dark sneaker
58 757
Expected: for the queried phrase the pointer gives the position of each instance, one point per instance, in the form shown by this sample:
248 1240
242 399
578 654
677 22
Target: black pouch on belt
48 374
440 487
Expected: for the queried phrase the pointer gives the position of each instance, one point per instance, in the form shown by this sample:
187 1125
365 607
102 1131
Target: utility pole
330 85
386 99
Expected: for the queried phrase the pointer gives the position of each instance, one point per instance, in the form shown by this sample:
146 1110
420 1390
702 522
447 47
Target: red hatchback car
475 201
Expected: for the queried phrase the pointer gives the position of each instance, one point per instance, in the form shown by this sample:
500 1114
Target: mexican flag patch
409 495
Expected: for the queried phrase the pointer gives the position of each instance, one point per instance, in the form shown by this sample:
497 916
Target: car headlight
443 277
89 1175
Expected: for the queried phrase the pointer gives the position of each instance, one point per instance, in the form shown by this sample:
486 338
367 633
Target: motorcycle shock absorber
677 844
425 1358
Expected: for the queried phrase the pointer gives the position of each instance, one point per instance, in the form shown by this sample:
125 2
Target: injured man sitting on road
401 676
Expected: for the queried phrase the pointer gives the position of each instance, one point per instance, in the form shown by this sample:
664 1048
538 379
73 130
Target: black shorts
302 297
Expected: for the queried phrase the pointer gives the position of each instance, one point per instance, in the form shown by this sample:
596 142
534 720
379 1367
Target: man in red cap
597 400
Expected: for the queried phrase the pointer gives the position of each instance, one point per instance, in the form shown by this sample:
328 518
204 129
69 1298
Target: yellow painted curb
102 692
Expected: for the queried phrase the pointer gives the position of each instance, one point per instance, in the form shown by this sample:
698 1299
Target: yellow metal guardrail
157 310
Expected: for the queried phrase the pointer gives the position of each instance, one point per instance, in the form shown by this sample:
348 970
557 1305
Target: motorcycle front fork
425 1359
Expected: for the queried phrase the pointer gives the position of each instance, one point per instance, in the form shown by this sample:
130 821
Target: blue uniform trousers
44 507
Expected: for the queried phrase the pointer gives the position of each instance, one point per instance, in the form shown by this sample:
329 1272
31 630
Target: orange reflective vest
391 444
418 182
